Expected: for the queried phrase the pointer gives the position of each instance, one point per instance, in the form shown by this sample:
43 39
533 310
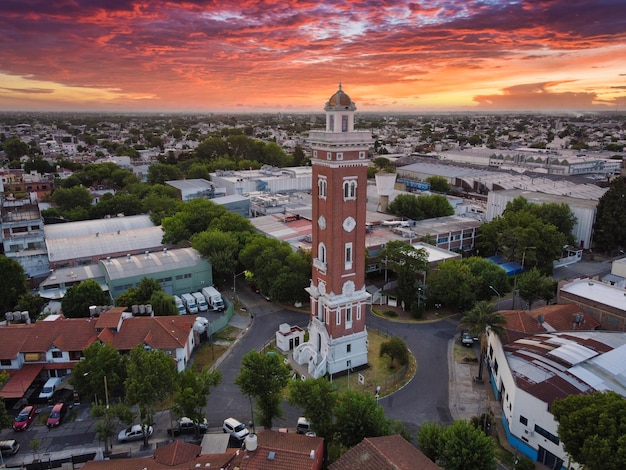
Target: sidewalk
468 398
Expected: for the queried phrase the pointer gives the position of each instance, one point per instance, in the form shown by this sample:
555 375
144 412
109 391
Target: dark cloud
28 90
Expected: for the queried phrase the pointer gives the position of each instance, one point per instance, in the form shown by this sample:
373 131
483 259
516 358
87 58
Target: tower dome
340 101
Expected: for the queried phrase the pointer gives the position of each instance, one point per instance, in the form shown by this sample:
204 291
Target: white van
200 301
190 302
50 387
179 305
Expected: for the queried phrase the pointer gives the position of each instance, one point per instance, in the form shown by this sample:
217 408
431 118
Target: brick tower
339 301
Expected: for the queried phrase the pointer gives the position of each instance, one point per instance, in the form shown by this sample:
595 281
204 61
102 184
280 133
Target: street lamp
235 276
106 390
499 296
515 283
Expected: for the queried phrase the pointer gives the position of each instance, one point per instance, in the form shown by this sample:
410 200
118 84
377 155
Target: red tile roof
384 453
221 461
284 451
177 453
156 332
555 318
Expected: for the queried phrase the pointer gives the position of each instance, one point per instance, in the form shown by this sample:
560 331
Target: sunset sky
290 55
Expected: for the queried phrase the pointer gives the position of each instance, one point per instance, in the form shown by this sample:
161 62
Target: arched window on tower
321 252
322 186
349 189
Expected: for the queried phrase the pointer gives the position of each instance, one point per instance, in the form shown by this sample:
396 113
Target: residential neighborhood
312 192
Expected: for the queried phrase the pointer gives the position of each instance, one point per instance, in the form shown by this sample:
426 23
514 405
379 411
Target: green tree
459 446
6 420
159 173
611 218
359 416
112 415
72 198
163 305
420 207
191 394
407 262
532 285
264 377
13 283
31 303
221 248
88 376
438 184
522 236
480 319
396 349
593 429
486 275
192 217
317 398
452 284
80 297
151 377
15 148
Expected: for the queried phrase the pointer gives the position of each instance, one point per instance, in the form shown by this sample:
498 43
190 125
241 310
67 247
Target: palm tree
477 321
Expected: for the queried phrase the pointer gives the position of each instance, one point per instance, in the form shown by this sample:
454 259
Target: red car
56 415
26 416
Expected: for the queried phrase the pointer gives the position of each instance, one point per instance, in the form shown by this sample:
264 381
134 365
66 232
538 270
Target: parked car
134 433
56 415
236 429
26 416
187 426
303 426
466 338
9 447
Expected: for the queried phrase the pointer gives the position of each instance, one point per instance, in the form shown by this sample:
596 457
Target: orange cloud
203 55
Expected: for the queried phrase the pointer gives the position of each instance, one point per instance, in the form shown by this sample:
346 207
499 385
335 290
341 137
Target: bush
390 313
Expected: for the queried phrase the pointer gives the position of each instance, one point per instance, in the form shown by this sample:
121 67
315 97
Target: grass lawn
379 372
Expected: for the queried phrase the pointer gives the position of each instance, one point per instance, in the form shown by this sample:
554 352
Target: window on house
523 420
331 123
57 354
329 155
344 123
340 156
490 351
361 155
348 315
314 153
548 435
338 317
348 348
5 362
495 366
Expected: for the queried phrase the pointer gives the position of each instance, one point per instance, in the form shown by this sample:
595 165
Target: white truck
200 301
190 303
213 298
179 305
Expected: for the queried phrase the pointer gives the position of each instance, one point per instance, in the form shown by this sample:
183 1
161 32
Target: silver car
134 433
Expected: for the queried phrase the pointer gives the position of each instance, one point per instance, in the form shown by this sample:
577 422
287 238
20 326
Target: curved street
424 398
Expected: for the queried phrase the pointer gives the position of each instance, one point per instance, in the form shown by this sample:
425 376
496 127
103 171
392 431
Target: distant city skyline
275 56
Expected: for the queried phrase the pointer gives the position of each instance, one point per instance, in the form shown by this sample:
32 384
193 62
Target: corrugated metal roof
101 226
89 246
144 264
554 365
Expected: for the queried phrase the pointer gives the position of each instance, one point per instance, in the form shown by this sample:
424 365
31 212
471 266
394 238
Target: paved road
226 399
423 399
